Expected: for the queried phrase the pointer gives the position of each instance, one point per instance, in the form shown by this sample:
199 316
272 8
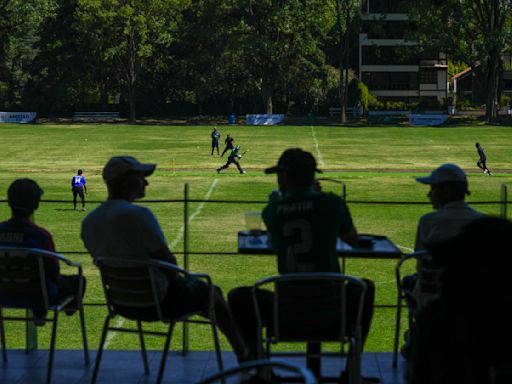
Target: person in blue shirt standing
215 140
79 188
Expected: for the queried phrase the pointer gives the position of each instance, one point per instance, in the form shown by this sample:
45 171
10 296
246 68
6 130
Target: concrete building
389 64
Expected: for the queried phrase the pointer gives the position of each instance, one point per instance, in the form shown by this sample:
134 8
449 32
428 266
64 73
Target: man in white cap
448 188
120 231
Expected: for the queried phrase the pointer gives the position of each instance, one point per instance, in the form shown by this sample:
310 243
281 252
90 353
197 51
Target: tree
280 37
476 33
20 23
347 17
127 34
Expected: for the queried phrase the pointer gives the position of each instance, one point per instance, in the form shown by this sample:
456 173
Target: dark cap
24 195
295 160
119 165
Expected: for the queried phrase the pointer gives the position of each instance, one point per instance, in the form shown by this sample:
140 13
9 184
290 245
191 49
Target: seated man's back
304 227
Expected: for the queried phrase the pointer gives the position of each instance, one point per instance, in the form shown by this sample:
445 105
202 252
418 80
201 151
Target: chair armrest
415 255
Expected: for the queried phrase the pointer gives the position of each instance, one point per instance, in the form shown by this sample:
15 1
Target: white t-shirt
444 223
119 231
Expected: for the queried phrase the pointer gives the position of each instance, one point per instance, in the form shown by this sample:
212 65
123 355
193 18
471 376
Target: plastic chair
427 287
303 374
23 286
312 308
132 285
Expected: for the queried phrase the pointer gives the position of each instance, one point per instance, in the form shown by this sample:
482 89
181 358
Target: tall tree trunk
132 75
491 112
343 44
267 92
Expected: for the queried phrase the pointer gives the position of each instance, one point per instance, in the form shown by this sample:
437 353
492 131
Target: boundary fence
503 203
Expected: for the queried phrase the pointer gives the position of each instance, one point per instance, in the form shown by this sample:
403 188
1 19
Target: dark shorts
184 296
78 191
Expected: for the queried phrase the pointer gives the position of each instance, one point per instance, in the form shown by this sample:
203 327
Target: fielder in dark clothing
229 144
215 140
78 187
483 159
233 158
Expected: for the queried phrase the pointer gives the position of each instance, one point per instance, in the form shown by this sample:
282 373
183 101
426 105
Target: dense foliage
166 57
214 57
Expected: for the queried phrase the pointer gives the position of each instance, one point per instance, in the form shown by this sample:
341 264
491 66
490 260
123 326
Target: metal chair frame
19 275
303 373
354 338
403 293
147 271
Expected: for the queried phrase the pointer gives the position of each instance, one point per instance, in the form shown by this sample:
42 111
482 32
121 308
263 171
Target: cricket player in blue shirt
78 187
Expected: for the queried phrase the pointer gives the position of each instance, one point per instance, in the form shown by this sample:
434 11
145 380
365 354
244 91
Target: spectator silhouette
20 230
119 230
448 188
325 218
465 336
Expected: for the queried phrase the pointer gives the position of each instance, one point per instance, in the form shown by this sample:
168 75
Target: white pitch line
318 153
198 210
406 248
120 321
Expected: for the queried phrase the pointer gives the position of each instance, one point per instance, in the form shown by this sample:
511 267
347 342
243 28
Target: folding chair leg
216 343
100 350
84 335
397 330
2 337
52 347
164 355
354 363
143 348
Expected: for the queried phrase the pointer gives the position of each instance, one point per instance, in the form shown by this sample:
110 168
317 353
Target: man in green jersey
303 226
233 159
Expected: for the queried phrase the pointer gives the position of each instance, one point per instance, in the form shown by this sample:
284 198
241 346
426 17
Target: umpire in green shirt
303 226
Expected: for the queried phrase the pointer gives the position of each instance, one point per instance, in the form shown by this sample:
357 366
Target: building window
389 6
428 76
386 81
385 55
377 29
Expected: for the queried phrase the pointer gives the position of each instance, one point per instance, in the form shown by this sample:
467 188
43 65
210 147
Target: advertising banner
18 117
264 119
424 119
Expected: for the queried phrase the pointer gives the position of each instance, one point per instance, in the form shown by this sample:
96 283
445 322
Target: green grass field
376 165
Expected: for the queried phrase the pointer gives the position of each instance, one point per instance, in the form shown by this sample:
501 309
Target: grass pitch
376 165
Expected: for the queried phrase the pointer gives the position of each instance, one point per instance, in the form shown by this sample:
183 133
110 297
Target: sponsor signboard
427 119
264 119
18 117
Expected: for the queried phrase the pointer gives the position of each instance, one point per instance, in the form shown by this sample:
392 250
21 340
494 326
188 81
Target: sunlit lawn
376 164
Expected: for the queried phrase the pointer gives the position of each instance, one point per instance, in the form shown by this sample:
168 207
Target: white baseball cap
119 165
446 173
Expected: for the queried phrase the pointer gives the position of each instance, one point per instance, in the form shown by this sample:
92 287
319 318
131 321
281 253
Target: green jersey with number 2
304 227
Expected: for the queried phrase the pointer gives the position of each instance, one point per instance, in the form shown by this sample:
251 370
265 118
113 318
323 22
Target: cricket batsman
233 158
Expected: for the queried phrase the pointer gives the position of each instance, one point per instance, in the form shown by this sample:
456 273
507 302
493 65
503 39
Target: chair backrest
429 284
314 306
304 375
130 284
22 278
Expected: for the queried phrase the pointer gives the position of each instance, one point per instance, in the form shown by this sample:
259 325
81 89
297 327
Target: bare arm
351 237
164 254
